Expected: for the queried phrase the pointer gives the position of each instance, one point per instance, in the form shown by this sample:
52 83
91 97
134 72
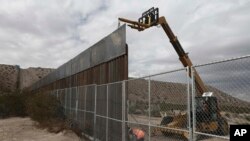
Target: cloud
42 33
232 77
48 33
208 31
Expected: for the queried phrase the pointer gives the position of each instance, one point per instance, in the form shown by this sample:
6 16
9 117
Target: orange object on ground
138 133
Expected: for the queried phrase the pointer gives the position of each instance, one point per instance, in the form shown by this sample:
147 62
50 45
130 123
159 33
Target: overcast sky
48 33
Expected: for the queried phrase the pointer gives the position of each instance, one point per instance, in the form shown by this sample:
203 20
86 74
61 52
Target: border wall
104 62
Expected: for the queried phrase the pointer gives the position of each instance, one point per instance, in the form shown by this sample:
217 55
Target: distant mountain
12 77
31 75
174 93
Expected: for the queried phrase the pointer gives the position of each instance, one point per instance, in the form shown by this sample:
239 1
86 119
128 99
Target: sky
49 33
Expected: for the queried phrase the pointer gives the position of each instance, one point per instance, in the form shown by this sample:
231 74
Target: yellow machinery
208 117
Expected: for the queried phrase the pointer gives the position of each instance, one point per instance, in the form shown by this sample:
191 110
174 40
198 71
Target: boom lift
208 117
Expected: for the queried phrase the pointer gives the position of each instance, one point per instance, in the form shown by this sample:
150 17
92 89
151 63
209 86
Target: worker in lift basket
136 134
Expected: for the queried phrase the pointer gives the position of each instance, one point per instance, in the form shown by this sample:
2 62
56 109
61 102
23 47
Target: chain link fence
153 103
164 106
229 83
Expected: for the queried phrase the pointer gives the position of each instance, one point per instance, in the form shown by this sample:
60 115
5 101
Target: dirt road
23 129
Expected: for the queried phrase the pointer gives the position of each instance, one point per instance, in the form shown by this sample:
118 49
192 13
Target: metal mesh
115 111
73 103
229 83
101 128
90 109
114 134
81 110
61 94
89 124
168 106
115 101
82 98
101 112
101 100
138 101
67 102
90 98
165 106
153 102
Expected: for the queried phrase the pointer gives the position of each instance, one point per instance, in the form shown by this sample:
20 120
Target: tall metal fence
104 62
164 106
85 104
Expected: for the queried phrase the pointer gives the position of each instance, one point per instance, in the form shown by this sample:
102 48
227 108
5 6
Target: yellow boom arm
183 56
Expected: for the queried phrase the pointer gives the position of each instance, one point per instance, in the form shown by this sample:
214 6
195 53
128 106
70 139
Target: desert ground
24 129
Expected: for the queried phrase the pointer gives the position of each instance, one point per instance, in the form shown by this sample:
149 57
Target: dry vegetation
43 108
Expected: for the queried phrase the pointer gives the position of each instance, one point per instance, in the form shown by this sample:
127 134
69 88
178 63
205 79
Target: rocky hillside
13 77
30 75
8 77
174 93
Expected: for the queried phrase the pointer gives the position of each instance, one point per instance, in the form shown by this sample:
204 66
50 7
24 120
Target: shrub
44 107
47 110
41 107
13 104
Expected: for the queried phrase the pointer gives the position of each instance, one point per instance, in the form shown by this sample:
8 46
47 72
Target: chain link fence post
69 103
107 120
77 95
123 111
84 116
193 105
149 109
65 101
189 102
95 112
